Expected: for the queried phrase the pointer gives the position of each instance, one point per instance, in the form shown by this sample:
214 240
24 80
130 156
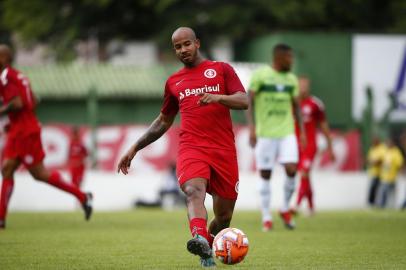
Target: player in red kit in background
314 117
203 91
77 158
23 142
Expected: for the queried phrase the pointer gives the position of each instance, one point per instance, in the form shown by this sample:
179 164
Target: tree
61 23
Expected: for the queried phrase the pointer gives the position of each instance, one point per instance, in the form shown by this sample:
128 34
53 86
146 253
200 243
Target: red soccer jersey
313 113
77 153
13 83
207 126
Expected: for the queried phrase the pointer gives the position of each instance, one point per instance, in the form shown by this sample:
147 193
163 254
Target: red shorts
306 157
219 167
27 149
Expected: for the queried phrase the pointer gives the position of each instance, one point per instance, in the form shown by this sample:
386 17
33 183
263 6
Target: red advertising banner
113 141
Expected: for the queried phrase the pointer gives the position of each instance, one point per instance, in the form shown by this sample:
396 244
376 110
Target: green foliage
155 239
61 23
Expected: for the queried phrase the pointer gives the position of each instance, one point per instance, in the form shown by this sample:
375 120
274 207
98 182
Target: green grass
156 240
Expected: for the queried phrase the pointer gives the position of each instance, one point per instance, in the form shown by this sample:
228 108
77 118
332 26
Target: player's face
304 85
3 61
286 60
186 49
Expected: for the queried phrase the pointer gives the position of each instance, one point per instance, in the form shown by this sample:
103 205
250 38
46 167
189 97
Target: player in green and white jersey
273 93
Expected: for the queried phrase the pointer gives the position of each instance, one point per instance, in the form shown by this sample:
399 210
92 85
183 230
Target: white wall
377 62
117 192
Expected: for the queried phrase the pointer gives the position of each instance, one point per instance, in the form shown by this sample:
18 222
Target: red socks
198 226
305 191
6 190
55 179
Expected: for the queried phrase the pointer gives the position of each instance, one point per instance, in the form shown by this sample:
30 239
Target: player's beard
189 59
286 68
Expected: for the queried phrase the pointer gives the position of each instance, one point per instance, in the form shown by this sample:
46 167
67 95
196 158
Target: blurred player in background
314 116
375 157
169 195
203 91
77 158
273 95
391 163
23 142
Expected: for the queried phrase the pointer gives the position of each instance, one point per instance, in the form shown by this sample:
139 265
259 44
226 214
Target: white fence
117 192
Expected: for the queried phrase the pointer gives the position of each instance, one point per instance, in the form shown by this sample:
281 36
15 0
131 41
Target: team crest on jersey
280 87
28 159
307 109
210 73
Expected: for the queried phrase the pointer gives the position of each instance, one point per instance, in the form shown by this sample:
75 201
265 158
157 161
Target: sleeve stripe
318 102
3 76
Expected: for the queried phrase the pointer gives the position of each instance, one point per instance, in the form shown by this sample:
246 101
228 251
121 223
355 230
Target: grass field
156 240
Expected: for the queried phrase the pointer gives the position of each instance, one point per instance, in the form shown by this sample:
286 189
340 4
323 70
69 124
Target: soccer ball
230 246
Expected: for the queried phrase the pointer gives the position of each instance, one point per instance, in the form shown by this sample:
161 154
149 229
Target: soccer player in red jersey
203 91
313 116
77 157
23 142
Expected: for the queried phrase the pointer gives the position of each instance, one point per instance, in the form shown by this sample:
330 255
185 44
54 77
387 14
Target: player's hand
206 98
252 137
125 162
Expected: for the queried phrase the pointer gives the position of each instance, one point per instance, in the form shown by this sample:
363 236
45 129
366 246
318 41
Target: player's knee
265 174
39 176
291 170
194 192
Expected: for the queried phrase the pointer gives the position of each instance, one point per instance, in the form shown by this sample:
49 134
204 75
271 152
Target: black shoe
88 205
198 245
2 224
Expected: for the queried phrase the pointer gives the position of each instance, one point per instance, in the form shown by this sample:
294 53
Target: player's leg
288 156
382 195
265 192
195 191
288 190
54 178
373 188
76 176
224 187
223 212
310 194
193 173
265 155
9 166
33 156
305 166
301 193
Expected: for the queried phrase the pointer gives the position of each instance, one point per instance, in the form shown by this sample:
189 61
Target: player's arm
236 101
298 116
15 104
325 129
250 118
158 127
